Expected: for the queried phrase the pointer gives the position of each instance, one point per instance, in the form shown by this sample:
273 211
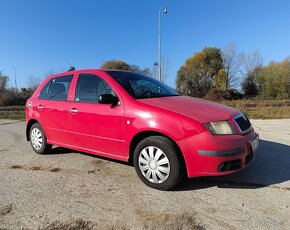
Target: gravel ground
70 190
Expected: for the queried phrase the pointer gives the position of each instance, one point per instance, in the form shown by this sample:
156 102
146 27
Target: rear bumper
208 155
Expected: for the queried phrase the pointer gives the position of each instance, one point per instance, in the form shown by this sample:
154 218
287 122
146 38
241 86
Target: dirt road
69 190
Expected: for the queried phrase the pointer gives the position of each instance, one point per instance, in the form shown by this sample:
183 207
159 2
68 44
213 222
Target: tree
116 64
3 88
220 80
213 60
146 71
121 65
195 77
3 82
274 80
232 62
250 86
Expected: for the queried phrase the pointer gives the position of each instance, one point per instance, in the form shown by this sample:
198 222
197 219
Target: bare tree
50 72
232 62
252 61
33 82
165 63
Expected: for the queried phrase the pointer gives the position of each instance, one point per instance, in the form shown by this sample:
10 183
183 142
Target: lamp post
159 40
15 78
155 70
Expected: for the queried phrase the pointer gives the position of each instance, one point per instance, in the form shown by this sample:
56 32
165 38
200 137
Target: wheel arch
28 126
144 134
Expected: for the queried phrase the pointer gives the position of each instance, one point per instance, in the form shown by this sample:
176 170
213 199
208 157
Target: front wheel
157 163
38 139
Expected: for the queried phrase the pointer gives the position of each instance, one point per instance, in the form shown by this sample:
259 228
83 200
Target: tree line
226 74
212 73
13 96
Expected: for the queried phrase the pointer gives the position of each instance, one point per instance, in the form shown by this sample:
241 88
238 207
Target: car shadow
59 150
62 150
271 166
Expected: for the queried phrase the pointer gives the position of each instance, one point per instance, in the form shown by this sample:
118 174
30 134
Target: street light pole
15 78
159 41
155 70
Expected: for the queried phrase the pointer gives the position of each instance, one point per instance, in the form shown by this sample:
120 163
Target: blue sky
38 37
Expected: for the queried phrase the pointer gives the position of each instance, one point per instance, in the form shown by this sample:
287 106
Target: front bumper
208 155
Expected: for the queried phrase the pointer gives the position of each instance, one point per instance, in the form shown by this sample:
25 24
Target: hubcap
36 139
154 164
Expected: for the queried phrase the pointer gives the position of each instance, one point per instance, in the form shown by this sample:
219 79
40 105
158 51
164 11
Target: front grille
242 122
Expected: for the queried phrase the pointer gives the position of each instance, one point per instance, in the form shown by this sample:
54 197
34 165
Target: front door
96 128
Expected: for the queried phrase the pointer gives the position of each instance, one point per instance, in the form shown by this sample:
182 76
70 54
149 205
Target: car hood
200 110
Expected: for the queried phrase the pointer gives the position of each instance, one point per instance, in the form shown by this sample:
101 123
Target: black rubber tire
171 152
45 148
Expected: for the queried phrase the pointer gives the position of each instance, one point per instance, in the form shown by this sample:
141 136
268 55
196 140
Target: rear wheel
38 139
157 163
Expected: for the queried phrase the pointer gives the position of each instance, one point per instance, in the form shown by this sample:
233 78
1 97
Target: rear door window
56 89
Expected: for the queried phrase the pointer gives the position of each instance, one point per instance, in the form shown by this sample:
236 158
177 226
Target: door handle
73 110
40 107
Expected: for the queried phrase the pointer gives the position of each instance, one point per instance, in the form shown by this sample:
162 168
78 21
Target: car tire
38 139
157 163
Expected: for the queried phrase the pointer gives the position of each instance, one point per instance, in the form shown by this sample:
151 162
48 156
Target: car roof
87 70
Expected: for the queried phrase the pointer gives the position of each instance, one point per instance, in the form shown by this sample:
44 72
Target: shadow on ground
61 150
271 166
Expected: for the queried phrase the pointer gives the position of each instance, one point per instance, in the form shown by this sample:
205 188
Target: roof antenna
71 68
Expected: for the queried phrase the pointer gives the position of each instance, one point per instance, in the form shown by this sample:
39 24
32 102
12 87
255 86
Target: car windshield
140 86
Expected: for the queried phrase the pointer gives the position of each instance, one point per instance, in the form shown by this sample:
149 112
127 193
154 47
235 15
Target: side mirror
108 99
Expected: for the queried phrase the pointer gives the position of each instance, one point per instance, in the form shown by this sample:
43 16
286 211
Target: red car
128 116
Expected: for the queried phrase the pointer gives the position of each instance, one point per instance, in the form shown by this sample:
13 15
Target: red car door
53 110
97 128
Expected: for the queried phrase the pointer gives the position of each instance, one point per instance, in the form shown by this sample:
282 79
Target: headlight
220 128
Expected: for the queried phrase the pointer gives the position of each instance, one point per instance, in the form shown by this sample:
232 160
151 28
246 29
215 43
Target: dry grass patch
81 224
165 221
262 109
78 224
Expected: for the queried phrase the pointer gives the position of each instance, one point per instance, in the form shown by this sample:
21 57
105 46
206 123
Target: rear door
96 127
53 109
